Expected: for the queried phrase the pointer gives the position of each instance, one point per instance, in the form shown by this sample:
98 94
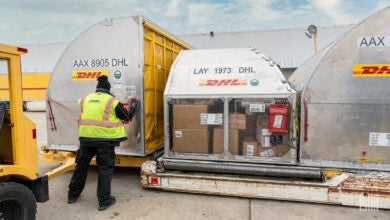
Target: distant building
42 58
289 48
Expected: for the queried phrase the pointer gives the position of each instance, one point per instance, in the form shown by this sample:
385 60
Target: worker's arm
125 115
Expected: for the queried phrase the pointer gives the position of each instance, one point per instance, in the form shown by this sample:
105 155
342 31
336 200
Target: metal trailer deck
368 191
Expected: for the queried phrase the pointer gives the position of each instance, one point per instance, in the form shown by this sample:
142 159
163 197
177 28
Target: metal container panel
345 109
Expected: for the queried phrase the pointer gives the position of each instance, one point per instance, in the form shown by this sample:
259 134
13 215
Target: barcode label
267 153
249 149
379 139
178 134
278 121
210 119
164 182
257 108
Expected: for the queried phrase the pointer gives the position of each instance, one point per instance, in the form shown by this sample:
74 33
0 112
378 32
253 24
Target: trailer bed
366 191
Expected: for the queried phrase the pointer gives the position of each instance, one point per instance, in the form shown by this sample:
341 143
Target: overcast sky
46 21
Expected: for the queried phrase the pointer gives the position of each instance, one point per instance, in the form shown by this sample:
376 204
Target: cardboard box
283 149
263 137
267 151
218 141
190 140
237 121
249 147
188 116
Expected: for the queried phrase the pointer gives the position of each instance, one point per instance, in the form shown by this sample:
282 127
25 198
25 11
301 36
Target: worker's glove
133 104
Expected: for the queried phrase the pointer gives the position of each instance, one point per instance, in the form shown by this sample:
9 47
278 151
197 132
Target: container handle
305 138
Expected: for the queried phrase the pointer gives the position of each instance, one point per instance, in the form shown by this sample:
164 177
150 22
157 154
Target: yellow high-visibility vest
98 118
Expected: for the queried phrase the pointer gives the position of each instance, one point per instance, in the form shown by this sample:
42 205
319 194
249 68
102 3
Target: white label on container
265 132
210 119
130 89
164 182
267 153
379 139
178 134
249 149
278 121
265 141
257 108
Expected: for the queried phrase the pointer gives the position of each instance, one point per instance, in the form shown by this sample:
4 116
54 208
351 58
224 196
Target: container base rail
366 191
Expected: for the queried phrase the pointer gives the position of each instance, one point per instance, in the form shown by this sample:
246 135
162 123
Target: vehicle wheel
16 202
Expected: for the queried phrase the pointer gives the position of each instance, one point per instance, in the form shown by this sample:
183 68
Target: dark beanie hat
103 82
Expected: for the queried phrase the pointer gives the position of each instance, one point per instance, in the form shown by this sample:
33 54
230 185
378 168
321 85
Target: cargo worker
100 131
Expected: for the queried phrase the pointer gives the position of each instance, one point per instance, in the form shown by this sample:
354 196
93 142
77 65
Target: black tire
16 202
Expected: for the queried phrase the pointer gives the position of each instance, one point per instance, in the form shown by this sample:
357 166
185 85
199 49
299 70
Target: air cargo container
136 55
322 136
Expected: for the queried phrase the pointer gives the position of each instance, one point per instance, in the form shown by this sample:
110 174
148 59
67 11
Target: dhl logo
88 74
364 70
222 82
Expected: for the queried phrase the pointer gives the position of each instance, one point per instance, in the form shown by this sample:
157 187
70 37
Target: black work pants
105 159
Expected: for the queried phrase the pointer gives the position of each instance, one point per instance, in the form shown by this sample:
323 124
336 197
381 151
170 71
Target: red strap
66 110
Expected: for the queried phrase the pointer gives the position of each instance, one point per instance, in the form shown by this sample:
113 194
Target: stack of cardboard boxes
236 122
189 135
272 144
266 149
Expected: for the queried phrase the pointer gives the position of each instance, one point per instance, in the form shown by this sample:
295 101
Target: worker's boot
105 205
72 199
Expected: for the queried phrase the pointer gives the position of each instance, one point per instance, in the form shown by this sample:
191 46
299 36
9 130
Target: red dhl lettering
375 69
222 82
371 70
88 74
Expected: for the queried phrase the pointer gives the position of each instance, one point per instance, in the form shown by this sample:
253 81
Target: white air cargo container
136 55
329 124
219 104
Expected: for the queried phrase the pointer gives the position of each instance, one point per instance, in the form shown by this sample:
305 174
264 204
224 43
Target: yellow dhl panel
160 50
88 74
34 86
373 70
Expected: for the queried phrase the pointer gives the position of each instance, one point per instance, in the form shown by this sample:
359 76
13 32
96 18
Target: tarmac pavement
133 202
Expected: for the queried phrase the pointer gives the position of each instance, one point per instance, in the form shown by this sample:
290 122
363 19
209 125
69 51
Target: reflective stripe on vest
100 123
106 113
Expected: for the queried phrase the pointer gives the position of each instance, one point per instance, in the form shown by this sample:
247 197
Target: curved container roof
231 71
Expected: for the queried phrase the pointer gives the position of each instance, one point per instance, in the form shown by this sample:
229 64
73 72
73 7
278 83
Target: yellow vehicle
21 184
